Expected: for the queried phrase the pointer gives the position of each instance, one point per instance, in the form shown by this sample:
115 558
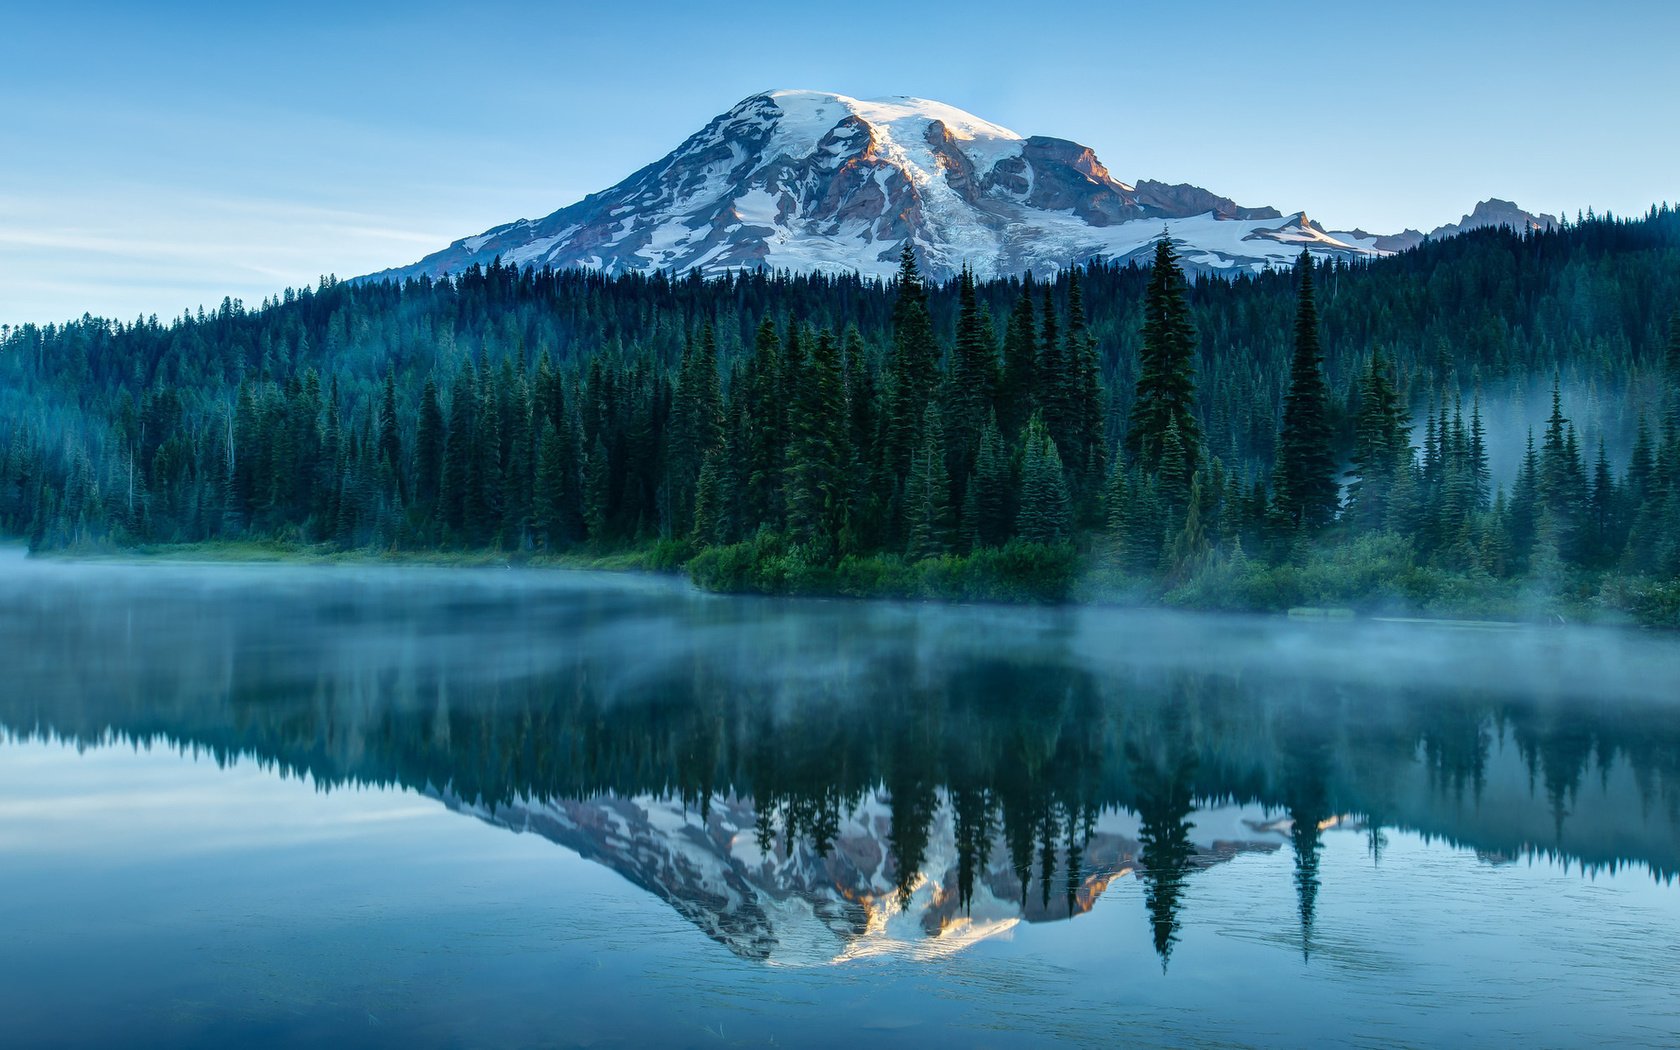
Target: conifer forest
1487 425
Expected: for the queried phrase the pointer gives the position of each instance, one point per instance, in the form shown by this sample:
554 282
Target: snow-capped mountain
1491 212
809 180
790 905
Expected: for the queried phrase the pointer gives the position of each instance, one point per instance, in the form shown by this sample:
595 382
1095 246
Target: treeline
986 440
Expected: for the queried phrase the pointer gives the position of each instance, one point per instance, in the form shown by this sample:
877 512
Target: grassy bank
1375 575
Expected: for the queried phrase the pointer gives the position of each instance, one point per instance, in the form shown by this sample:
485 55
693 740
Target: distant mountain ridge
815 181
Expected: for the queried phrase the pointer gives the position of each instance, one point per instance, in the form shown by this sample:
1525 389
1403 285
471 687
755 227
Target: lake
271 805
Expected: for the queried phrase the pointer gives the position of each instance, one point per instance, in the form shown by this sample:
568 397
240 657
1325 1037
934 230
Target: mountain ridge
816 181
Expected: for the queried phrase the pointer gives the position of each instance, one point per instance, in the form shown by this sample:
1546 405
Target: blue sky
154 157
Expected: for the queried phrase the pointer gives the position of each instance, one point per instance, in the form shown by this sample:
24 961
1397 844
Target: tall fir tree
1307 494
1045 514
992 485
430 436
914 363
1019 382
1166 383
927 495
390 434
1380 444
818 485
458 451
971 382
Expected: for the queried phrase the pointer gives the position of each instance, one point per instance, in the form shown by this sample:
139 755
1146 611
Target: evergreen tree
597 491
390 436
818 488
1087 407
992 486
1019 384
764 438
914 367
551 486
458 452
1379 444
928 493
1524 517
969 387
1307 494
1140 525
1046 514
429 443
1166 383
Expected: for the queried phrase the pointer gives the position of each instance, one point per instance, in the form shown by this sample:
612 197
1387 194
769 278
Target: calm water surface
257 805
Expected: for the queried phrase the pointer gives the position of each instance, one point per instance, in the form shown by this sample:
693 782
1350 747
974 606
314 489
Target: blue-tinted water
271 806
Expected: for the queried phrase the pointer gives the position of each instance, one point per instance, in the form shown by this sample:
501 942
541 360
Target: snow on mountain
809 180
1491 212
791 905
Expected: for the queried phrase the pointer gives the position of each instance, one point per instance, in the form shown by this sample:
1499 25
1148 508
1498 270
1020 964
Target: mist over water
433 797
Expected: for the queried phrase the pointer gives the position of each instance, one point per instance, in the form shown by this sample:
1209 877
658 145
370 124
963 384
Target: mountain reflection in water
819 781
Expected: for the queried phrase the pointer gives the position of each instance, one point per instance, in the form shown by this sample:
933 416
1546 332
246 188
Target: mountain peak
807 180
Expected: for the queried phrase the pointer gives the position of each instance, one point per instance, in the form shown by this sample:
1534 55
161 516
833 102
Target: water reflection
807 782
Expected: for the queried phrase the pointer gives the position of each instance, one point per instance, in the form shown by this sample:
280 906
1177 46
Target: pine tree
483 504
993 486
1054 382
1481 476
1173 481
1189 546
970 386
458 452
818 486
1672 368
1046 513
1116 498
764 416
551 485
429 443
1524 517
914 367
1307 494
1166 384
1087 407
707 500
1016 391
1602 542
390 437
1378 446
928 493
597 491
1142 524
519 458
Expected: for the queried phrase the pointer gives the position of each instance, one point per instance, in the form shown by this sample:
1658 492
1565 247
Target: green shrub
1018 572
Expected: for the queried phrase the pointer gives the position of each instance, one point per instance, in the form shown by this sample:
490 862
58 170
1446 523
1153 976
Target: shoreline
1092 586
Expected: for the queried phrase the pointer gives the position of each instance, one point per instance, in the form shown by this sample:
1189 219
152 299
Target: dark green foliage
768 564
970 384
1045 514
819 482
1306 469
912 381
992 490
1166 383
1019 386
927 493
429 443
1381 447
521 410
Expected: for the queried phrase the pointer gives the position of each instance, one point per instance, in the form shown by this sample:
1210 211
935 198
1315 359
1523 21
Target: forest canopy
1462 426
